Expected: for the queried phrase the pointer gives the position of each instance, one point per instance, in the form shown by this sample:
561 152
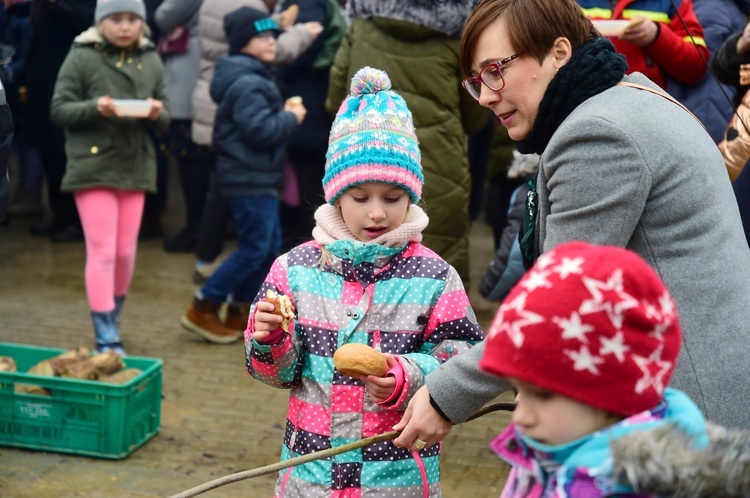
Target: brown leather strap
662 94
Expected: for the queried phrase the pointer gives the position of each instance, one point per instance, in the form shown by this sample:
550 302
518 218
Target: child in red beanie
589 339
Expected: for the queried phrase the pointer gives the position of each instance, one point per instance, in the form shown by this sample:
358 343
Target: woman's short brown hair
533 26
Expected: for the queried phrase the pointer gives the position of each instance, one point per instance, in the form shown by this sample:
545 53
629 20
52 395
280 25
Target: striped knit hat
372 139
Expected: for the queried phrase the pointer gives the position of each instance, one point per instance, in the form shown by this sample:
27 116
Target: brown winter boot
237 316
202 318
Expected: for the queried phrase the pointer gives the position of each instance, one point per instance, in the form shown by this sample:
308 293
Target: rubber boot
107 334
119 301
202 318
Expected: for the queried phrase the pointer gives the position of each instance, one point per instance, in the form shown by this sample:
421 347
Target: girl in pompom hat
589 339
111 161
367 279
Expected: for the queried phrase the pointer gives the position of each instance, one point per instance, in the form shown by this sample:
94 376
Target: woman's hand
105 106
381 388
641 32
421 421
264 320
157 106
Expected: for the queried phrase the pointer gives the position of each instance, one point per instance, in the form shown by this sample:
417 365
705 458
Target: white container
131 108
611 27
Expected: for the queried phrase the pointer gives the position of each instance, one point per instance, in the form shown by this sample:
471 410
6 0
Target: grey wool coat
632 169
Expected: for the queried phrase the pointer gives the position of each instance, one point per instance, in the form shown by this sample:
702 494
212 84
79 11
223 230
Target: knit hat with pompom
372 139
593 323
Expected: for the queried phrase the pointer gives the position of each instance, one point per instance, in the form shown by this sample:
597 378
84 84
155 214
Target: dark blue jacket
251 127
15 32
299 79
720 19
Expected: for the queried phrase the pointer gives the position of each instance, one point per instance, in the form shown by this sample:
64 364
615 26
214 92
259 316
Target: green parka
108 152
423 67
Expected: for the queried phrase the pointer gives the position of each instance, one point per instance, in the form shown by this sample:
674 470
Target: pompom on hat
593 323
372 139
106 8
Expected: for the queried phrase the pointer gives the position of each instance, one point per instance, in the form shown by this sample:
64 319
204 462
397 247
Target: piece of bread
282 306
294 101
289 16
356 360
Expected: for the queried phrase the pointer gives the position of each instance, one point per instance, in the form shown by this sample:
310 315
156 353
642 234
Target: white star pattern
573 327
614 345
608 296
535 280
659 329
649 379
569 267
651 311
584 360
508 320
667 305
544 261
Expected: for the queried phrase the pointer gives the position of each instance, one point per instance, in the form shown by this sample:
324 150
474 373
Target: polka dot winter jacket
405 301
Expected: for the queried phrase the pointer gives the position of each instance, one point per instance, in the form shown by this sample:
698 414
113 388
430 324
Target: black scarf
593 68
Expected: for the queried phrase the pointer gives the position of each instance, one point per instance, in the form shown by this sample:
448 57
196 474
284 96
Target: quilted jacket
405 301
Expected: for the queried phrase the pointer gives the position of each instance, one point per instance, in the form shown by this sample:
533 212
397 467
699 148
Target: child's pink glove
381 388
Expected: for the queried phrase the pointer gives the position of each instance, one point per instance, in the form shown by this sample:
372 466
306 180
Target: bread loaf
282 306
356 360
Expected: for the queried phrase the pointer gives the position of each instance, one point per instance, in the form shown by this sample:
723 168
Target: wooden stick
317 455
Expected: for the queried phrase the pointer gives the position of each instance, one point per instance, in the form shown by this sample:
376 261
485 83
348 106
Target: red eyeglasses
491 75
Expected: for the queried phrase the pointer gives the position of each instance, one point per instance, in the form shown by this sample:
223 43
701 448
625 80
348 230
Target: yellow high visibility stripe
695 40
597 13
648 14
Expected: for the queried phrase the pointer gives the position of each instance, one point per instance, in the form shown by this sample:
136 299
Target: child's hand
314 28
105 106
265 321
157 106
298 110
381 388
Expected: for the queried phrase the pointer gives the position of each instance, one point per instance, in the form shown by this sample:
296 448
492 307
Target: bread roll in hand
282 306
356 360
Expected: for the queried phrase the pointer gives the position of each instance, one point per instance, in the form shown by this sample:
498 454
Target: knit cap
593 323
106 8
372 139
241 25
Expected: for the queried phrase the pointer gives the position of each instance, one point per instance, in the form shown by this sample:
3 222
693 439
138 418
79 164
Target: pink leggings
111 219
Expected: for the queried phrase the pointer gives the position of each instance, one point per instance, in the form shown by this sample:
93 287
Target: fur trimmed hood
664 462
444 16
92 36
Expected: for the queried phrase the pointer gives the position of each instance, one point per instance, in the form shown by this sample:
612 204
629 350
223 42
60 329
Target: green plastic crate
82 417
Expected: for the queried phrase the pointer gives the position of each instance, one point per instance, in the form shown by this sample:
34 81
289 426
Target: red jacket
673 53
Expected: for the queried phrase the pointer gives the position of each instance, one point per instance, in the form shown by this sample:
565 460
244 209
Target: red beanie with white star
593 323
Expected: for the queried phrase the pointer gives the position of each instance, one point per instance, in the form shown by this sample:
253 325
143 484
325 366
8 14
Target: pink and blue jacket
588 467
406 301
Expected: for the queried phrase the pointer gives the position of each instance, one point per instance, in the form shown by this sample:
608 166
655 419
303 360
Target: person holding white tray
109 94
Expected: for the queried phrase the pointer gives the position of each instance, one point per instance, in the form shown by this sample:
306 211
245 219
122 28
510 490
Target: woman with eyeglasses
621 164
